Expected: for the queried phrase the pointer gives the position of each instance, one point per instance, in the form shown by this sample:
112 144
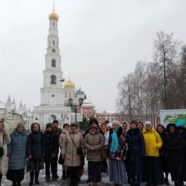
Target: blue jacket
36 145
17 150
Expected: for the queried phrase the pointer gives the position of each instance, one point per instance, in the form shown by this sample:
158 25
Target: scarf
115 144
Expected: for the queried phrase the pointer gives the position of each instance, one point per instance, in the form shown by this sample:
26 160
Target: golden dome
69 84
53 16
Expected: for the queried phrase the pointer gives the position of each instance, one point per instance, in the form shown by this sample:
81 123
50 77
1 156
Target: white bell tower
52 105
52 92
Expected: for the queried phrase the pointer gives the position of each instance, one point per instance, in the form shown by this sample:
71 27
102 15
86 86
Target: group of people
32 150
129 153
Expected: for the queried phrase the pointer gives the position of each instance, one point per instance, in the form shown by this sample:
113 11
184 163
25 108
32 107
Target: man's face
55 125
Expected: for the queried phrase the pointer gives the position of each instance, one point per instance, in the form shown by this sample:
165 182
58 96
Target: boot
36 177
31 177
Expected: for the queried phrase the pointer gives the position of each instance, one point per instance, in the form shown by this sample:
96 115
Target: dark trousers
47 169
54 165
136 169
153 171
32 174
94 171
74 175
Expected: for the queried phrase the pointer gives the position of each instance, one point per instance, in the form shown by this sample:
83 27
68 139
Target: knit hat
148 123
48 125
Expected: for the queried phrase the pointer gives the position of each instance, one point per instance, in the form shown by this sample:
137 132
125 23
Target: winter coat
136 144
17 150
50 146
63 133
36 145
153 142
163 153
4 140
121 153
97 141
175 153
69 150
56 133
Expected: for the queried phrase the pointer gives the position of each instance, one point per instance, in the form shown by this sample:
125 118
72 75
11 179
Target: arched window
53 63
53 79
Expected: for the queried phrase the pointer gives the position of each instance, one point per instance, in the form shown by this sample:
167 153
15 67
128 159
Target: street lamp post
75 105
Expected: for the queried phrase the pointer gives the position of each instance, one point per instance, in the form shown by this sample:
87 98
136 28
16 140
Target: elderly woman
94 142
17 155
153 143
118 150
4 140
71 142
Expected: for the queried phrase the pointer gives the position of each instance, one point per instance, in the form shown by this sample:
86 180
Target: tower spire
53 7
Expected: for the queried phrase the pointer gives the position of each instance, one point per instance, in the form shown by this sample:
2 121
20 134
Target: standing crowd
128 153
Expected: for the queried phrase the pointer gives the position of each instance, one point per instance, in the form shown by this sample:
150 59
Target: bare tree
126 95
166 58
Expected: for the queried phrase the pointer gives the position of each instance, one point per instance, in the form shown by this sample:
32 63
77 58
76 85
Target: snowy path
59 182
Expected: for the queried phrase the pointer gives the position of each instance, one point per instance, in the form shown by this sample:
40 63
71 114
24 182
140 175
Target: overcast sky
100 42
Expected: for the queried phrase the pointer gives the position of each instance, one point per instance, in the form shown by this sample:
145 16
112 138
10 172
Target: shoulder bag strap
73 141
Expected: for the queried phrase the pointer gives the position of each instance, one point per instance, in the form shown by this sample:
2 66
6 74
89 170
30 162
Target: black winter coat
136 144
175 155
163 153
50 146
36 145
56 134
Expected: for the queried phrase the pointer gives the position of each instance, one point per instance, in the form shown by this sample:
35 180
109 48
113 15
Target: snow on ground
59 182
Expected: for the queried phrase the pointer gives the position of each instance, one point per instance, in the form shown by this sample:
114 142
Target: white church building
55 93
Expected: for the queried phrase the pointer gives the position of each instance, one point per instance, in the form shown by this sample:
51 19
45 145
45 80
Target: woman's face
172 129
93 129
115 126
160 129
148 127
133 126
73 128
1 126
103 127
20 129
35 128
140 126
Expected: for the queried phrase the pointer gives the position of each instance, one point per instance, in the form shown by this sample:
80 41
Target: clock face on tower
53 50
